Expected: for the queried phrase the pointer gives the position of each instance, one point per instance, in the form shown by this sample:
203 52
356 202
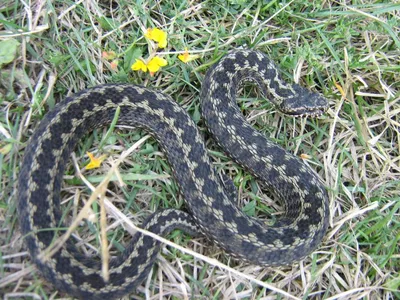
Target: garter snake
210 210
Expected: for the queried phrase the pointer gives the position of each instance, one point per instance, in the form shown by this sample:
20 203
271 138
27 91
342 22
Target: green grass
347 51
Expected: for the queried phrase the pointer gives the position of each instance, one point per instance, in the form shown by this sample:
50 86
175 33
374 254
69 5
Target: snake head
303 103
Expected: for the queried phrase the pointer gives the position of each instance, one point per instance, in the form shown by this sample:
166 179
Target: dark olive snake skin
290 239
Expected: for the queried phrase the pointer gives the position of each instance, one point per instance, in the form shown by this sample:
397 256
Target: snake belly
290 239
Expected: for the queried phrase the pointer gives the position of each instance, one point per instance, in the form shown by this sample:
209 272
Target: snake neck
252 66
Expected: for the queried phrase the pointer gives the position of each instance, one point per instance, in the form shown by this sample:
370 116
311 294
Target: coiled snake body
291 238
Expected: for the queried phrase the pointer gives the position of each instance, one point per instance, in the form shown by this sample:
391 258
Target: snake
209 207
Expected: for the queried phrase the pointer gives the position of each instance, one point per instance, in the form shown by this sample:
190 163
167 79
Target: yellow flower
155 64
158 36
94 162
186 57
152 66
139 65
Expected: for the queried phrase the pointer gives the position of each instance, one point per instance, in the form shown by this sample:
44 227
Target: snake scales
291 238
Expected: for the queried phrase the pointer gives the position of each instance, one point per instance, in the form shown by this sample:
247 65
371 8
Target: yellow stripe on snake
210 210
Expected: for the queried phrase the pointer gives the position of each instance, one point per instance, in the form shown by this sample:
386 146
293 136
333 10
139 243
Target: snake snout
305 103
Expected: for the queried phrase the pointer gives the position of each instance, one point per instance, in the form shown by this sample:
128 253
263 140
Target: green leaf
107 23
6 149
250 208
130 56
393 284
8 51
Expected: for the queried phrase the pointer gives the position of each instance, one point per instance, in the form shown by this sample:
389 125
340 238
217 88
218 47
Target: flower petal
158 36
148 33
160 61
162 43
186 57
94 162
139 65
156 63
